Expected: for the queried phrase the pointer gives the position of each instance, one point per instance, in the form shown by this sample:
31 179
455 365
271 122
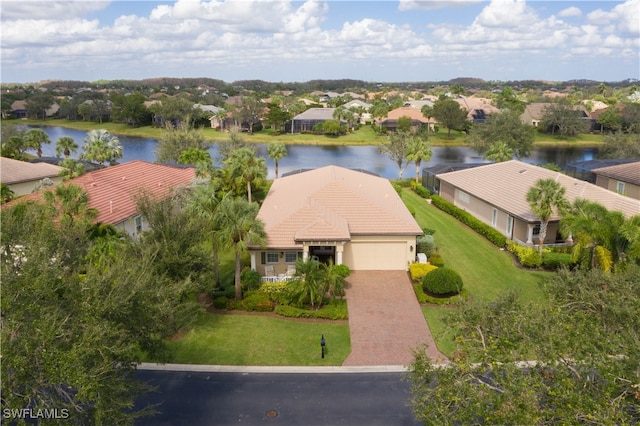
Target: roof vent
124 178
523 171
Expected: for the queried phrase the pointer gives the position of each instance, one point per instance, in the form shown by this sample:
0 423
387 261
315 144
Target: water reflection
312 156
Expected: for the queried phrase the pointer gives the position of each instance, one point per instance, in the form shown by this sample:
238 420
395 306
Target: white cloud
14 9
505 14
625 17
570 12
433 4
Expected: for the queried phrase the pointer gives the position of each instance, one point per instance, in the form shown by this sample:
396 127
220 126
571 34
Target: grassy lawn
259 340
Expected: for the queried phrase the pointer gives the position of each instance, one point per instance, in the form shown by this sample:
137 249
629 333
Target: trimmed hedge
436 260
528 257
422 191
442 281
425 244
480 227
555 261
334 310
419 270
424 298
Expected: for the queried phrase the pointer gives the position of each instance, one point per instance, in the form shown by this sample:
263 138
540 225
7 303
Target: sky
297 41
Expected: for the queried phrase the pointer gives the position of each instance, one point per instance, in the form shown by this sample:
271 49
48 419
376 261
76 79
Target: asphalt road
308 399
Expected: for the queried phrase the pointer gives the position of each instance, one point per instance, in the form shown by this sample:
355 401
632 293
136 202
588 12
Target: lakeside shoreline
353 139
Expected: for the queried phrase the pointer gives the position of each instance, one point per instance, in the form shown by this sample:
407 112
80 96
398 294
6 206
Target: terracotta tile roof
505 185
332 204
14 171
113 190
413 113
629 172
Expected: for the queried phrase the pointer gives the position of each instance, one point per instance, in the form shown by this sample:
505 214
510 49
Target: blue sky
387 41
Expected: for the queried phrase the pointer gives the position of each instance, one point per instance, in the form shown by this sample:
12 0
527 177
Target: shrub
436 260
442 281
419 270
425 244
397 187
223 303
527 257
425 298
334 310
428 231
255 301
480 227
555 261
422 191
412 211
250 279
342 270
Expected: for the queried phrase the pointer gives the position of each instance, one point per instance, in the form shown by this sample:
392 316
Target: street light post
323 343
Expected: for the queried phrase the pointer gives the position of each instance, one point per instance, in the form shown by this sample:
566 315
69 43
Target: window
620 187
463 196
536 230
292 256
509 226
494 217
138 222
272 257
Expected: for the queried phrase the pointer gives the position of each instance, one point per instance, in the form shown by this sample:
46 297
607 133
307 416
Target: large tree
244 166
397 148
572 359
239 228
449 114
35 138
277 151
506 128
545 198
563 119
620 145
175 140
100 146
39 103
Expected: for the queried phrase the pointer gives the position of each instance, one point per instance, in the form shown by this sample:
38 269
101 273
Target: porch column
253 260
530 234
305 252
339 250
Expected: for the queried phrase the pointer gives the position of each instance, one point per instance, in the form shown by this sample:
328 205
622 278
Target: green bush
342 270
334 310
555 261
412 210
255 301
425 244
422 191
428 231
480 227
250 279
424 298
436 260
223 303
527 257
419 270
397 187
442 281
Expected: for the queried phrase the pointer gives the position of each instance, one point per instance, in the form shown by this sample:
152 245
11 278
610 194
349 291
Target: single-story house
622 178
306 121
331 213
416 116
478 109
496 194
113 190
584 169
535 112
23 178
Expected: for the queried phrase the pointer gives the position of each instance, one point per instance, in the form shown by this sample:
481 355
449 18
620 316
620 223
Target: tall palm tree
221 116
66 145
276 151
204 204
239 228
72 168
244 165
499 152
35 138
417 151
545 198
71 204
100 146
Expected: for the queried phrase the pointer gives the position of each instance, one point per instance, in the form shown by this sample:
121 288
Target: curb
196 368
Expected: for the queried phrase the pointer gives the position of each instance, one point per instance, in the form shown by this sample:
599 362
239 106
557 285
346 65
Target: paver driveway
385 320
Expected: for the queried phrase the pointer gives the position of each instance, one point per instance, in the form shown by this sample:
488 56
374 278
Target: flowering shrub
528 257
419 270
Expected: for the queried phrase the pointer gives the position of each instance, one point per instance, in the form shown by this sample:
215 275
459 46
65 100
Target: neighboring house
418 104
478 109
584 169
417 118
496 194
306 121
358 103
623 179
23 178
430 174
534 113
332 213
19 109
113 190
87 166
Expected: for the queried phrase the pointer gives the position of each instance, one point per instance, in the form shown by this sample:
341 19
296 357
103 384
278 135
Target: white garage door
372 256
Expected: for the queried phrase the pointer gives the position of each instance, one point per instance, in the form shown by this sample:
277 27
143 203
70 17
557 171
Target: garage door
368 256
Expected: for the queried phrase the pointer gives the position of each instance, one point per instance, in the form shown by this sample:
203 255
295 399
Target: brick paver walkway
385 320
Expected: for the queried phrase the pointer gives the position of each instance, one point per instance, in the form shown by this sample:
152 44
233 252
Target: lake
313 156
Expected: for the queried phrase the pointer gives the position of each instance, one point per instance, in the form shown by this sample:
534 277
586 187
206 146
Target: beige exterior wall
130 227
630 190
367 253
25 188
280 266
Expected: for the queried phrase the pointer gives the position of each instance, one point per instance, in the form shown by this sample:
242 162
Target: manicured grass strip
258 340
436 317
487 271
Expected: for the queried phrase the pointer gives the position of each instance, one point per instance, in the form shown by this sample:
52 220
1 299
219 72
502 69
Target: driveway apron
385 320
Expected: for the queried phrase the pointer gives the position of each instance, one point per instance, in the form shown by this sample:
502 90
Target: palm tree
204 205
545 197
7 193
35 138
499 152
221 116
243 164
308 285
333 279
100 146
72 168
238 227
66 145
71 204
418 150
276 151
